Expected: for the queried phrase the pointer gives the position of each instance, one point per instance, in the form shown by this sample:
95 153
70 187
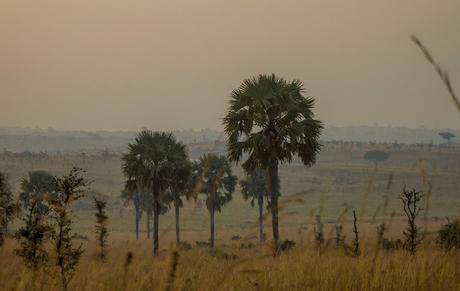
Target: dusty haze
92 64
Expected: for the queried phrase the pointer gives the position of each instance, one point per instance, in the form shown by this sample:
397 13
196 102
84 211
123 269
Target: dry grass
444 75
304 268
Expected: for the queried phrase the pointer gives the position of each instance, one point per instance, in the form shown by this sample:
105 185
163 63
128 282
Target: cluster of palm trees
269 122
159 175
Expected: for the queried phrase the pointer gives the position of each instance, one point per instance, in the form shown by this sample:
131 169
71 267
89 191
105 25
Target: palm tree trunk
260 201
176 210
212 227
137 222
156 218
148 223
274 189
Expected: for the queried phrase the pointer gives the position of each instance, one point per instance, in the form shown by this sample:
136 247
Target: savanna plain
317 225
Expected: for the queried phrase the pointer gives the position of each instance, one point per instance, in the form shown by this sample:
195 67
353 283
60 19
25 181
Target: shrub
449 235
356 249
185 246
69 188
33 236
8 208
339 237
392 245
411 199
101 226
222 255
284 246
236 237
247 246
319 231
202 244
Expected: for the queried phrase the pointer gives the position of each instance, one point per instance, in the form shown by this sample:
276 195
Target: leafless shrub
356 249
381 229
319 232
339 237
410 199
101 226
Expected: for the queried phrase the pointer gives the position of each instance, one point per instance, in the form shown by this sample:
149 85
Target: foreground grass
233 268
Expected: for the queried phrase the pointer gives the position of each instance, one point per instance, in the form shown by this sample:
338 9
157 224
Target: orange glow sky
165 64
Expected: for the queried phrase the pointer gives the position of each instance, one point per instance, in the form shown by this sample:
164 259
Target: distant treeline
51 140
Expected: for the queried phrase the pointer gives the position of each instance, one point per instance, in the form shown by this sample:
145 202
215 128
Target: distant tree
101 226
69 188
255 188
214 178
8 207
376 156
271 121
38 187
447 136
152 159
33 235
105 154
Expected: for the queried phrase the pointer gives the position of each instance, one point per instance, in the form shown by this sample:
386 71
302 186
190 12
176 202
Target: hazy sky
113 64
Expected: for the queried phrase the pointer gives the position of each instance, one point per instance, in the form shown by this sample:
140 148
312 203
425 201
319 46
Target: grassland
232 268
341 181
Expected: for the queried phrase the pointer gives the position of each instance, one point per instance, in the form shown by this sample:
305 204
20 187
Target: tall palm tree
254 188
214 178
147 205
180 186
271 121
134 171
152 158
132 193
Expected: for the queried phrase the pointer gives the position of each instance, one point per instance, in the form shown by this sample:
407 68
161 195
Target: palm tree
152 159
180 186
147 204
254 187
132 193
213 177
271 121
136 181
